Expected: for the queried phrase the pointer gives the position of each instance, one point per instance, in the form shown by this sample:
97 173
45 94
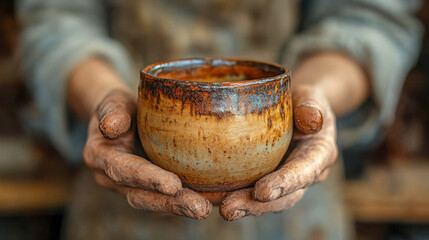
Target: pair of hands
109 152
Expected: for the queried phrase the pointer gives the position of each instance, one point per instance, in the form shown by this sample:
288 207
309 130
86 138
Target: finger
303 166
186 203
133 171
103 181
240 203
323 176
115 113
127 169
309 109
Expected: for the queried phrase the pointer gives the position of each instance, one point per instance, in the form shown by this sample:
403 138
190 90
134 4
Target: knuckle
315 176
113 173
335 153
329 149
132 200
309 175
115 167
292 203
322 177
88 156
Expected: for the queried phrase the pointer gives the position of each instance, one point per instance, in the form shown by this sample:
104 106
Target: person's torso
162 30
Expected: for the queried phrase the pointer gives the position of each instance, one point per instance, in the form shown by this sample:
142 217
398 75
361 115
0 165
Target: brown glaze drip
210 98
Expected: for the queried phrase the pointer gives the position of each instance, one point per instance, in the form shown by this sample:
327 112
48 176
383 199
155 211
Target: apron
162 30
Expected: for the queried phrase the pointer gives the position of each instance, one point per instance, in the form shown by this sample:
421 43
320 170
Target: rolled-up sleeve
383 36
57 35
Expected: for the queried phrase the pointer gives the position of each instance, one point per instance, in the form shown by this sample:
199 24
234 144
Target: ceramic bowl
219 124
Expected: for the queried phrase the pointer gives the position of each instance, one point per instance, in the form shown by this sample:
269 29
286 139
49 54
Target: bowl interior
214 70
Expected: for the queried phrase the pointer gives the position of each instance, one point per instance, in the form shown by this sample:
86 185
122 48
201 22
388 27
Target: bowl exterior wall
215 138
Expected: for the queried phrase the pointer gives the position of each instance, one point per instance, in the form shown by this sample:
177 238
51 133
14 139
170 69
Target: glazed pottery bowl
219 124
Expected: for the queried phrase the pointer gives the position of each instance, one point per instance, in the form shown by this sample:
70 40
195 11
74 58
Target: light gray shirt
382 35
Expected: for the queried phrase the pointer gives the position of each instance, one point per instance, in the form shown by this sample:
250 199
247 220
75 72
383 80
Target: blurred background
387 189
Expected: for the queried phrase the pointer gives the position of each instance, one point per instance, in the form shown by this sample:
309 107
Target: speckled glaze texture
219 124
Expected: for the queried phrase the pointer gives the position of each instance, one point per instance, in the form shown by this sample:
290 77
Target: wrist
89 83
338 77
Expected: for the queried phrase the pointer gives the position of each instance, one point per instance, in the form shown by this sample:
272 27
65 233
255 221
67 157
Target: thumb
309 109
116 112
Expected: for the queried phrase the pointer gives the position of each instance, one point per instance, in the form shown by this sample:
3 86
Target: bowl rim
145 73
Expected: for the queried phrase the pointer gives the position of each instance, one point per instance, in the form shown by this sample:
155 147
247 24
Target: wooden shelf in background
32 195
398 193
32 178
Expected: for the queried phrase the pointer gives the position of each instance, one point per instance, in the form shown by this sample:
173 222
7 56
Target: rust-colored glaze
219 124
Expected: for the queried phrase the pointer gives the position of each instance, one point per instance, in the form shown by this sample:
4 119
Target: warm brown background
388 193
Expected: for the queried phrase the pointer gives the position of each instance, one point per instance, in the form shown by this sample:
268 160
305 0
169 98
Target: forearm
339 78
89 83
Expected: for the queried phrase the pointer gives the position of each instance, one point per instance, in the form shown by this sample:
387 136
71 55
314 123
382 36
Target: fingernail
275 193
237 214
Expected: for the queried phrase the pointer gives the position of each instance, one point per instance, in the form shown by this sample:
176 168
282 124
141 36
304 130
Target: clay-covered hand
109 152
314 151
